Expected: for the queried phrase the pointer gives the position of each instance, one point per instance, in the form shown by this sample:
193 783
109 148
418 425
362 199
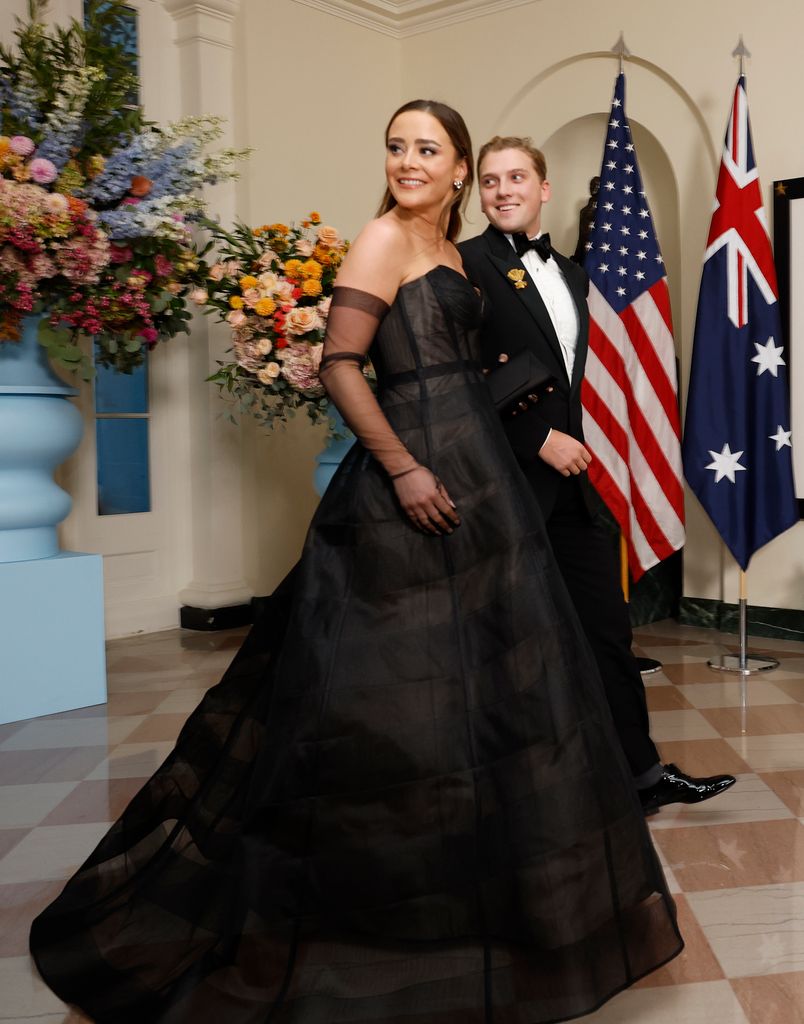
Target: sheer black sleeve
352 323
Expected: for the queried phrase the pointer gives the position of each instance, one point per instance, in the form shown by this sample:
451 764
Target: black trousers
584 553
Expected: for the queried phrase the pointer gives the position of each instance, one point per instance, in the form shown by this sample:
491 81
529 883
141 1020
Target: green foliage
43 57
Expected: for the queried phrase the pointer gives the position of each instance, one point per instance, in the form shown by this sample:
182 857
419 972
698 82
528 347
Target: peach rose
283 293
217 272
329 237
267 258
324 304
302 320
304 247
199 296
269 373
236 318
264 346
251 296
268 282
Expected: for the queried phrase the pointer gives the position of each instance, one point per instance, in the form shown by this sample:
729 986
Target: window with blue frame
121 401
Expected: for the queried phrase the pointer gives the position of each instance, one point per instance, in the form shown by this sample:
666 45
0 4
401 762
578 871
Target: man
547 312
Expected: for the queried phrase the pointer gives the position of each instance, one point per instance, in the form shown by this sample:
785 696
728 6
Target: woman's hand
425 501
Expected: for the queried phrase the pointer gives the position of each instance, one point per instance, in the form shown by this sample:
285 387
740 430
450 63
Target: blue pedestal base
52 644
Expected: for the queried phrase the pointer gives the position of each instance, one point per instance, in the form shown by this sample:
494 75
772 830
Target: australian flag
737 450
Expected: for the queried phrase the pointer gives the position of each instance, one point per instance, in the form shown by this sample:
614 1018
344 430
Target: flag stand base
741 662
745 666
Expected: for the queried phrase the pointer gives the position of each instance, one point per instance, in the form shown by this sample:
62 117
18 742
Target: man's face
511 192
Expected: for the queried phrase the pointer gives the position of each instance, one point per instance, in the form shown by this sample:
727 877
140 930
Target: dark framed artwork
788 251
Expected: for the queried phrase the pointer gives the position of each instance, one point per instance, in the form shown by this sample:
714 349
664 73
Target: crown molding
400 18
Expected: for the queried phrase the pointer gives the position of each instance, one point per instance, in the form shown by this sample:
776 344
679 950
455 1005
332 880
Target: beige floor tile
756 721
62 764
19 905
754 929
25 995
681 673
779 753
750 799
102 800
132 761
45 734
704 1002
729 694
727 856
50 852
777 999
25 806
674 654
680 725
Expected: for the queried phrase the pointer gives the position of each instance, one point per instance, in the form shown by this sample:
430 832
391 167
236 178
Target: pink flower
43 171
164 268
21 145
199 296
217 272
130 201
304 247
236 318
121 254
150 334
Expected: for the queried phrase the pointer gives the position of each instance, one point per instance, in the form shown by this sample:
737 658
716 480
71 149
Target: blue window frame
121 399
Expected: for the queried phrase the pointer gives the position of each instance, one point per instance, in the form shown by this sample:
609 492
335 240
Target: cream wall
315 92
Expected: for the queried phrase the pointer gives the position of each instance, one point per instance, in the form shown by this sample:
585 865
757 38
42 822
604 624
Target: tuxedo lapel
504 259
575 283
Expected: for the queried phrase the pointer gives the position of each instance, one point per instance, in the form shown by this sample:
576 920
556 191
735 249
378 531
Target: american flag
630 391
737 449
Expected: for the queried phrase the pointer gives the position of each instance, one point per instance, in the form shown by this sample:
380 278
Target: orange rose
315 217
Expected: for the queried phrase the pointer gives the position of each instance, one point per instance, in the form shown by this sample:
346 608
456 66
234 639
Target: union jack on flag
630 393
737 449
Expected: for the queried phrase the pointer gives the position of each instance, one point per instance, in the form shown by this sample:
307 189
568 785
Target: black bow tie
541 245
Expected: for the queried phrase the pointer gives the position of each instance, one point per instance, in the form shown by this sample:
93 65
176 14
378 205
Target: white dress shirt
557 297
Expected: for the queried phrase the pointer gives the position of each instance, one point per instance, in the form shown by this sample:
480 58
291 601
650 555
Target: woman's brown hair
455 127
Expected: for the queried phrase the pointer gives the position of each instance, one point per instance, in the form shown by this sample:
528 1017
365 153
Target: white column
204 43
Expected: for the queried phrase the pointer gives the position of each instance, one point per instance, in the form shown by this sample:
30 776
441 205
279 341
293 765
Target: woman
405 800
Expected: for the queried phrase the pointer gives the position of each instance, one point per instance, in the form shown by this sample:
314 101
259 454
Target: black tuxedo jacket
516 318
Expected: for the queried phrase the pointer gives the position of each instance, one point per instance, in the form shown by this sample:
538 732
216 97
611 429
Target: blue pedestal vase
39 428
330 458
52 650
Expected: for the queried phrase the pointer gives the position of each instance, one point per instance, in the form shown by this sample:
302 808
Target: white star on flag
781 437
768 357
726 463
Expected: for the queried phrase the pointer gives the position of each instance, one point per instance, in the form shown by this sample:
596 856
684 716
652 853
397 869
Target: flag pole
741 51
621 51
741 662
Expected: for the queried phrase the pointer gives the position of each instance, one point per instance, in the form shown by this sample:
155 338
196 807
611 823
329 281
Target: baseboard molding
229 617
777 623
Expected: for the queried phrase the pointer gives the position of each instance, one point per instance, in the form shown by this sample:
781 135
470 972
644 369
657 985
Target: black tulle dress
405 802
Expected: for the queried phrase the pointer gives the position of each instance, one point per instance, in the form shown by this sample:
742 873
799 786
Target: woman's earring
457 185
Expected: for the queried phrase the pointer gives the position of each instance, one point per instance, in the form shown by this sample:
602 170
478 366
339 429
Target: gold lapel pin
517 275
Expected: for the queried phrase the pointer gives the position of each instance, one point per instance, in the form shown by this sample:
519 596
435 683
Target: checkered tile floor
736 864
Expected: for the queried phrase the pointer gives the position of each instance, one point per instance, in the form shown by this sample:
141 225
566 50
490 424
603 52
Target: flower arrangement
273 286
96 204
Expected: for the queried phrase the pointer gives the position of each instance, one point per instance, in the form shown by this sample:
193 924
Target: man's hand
564 453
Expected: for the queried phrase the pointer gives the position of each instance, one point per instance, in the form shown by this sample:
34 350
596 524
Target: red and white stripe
631 422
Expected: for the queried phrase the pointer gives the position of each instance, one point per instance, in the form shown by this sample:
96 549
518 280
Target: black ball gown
405 802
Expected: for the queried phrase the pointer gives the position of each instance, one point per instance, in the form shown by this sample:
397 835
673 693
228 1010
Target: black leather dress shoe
674 787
